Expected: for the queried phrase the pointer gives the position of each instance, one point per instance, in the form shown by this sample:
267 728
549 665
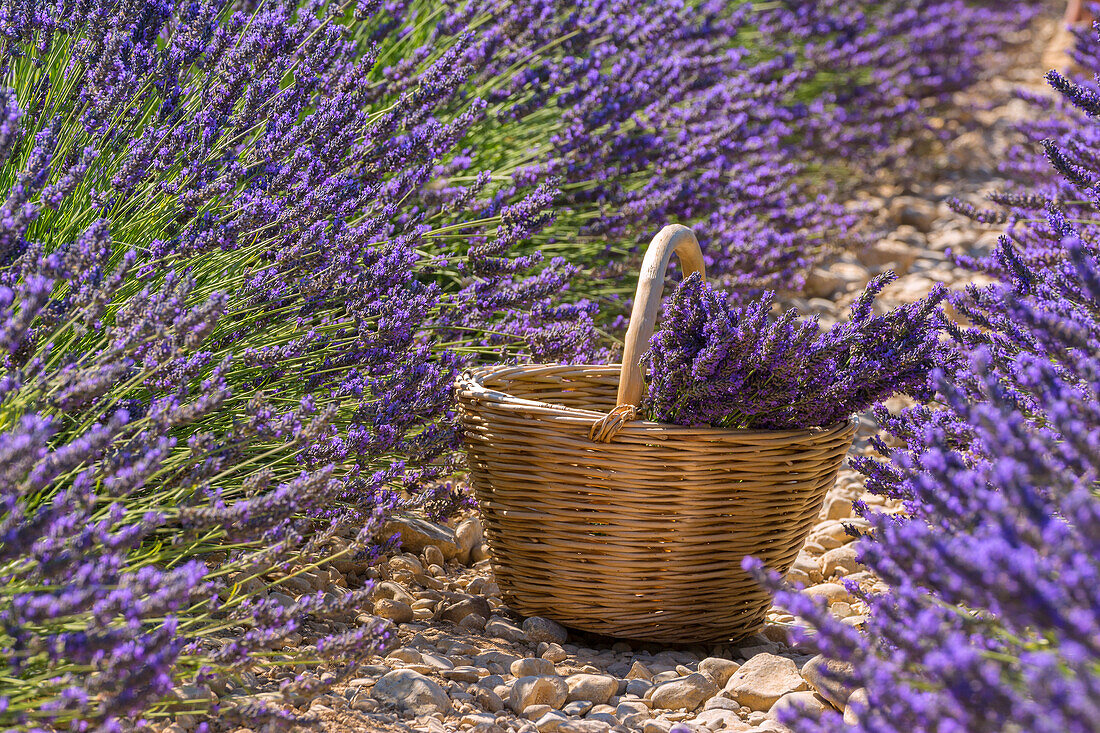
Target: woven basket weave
631 528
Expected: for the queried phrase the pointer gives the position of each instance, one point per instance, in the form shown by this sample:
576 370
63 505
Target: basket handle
643 319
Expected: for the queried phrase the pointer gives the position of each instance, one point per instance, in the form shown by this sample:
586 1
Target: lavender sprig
718 363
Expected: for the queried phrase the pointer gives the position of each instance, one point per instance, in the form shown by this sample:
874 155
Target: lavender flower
992 620
717 363
226 331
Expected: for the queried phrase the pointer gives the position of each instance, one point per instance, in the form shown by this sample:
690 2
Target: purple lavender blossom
992 620
726 365
226 331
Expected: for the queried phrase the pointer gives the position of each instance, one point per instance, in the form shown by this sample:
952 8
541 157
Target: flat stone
638 687
476 719
534 712
465 673
532 667
584 726
686 693
458 610
723 703
502 629
718 669
577 708
415 534
720 719
550 721
831 678
840 558
393 591
527 691
495 661
595 688
762 680
406 654
538 629
608 718
807 704
411 692
831 592
437 662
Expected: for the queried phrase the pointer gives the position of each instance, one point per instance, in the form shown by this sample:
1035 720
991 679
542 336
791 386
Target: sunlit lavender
246 249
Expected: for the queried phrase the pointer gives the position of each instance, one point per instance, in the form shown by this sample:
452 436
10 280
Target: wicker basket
630 528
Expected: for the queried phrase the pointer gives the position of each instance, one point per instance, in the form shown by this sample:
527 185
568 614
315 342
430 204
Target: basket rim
471 384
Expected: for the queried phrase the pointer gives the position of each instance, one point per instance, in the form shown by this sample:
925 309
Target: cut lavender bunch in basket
720 363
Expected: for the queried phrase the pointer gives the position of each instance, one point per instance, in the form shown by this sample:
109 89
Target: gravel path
462 661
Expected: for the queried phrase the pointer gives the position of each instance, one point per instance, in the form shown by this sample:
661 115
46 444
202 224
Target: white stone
468 535
840 558
532 667
807 703
719 719
857 702
831 592
686 693
829 677
527 691
718 669
764 679
549 722
415 534
595 688
503 629
412 692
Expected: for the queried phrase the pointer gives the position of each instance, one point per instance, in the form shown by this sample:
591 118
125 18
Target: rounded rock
807 704
412 692
538 629
468 535
532 667
396 611
718 669
594 688
840 558
685 693
831 592
857 703
415 534
830 678
762 680
527 691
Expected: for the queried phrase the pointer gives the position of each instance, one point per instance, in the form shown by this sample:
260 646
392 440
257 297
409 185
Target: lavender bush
245 248
715 362
226 334
993 618
740 118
